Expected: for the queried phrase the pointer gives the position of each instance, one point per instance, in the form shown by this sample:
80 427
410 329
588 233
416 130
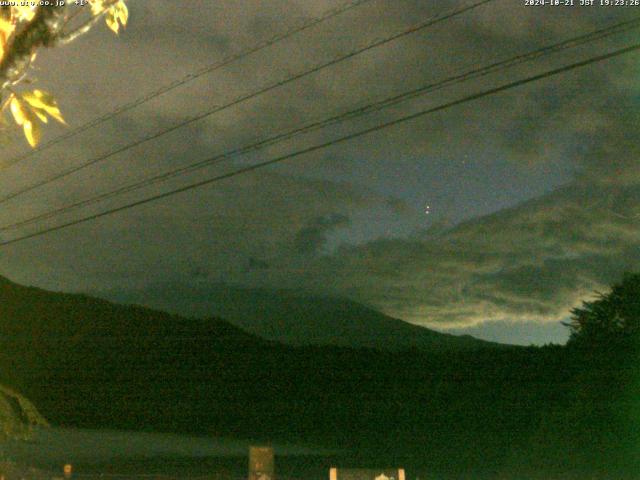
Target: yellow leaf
58 116
112 22
27 115
39 99
20 113
123 12
41 115
97 7
55 113
117 15
43 101
33 100
32 132
46 97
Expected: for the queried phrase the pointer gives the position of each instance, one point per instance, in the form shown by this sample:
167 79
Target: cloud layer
534 194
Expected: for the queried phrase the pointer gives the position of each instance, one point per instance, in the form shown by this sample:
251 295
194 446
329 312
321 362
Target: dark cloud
313 237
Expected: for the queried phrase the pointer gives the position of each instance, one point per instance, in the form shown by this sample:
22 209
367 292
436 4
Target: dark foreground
96 454
287 468
494 413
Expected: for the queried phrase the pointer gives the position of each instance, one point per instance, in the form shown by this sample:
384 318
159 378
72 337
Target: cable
189 78
476 96
492 68
432 21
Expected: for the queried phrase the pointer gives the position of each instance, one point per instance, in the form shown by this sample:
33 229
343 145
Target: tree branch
41 31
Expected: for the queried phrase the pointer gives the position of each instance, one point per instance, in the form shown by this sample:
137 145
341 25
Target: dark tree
612 319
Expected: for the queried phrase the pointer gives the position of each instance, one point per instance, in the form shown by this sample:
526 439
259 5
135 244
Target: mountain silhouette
89 362
296 318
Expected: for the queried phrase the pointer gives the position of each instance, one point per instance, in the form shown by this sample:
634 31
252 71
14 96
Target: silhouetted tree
612 319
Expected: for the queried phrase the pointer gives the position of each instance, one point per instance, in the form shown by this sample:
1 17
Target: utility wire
385 103
432 21
444 106
234 57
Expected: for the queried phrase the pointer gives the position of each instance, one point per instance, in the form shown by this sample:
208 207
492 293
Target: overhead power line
229 59
416 28
345 138
385 103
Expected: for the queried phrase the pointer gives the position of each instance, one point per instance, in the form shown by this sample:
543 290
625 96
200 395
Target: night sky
494 217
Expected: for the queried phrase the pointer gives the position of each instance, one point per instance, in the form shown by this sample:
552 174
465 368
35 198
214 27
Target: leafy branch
25 29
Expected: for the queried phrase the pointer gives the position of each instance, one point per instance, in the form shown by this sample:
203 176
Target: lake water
120 454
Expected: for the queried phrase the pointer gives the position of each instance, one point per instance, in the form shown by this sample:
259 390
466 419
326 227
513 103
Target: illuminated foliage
116 14
25 29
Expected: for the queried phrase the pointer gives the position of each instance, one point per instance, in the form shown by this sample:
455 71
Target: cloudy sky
494 217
